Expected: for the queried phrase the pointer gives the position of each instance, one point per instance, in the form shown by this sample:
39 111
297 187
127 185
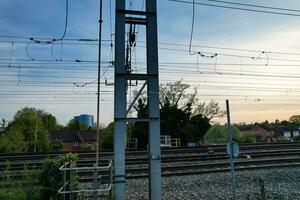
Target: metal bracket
136 97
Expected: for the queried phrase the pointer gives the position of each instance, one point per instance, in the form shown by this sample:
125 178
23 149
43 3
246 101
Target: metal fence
100 176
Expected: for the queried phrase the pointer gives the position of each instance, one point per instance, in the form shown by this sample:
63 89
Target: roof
288 129
80 136
259 132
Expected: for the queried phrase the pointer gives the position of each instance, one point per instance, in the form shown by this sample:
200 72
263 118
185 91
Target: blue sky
252 98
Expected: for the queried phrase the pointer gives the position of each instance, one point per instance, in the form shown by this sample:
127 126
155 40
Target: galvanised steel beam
120 103
153 101
147 18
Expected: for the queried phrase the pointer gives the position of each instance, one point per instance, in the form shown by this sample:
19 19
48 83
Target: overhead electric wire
213 54
171 68
257 85
168 44
237 8
206 71
254 5
229 48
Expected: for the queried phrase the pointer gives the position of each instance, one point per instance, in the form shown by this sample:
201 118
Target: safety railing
175 142
71 175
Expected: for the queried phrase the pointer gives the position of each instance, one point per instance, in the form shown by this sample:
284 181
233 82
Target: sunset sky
257 64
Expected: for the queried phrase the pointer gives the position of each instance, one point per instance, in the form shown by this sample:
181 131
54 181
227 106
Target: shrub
4 146
24 189
297 138
56 145
219 134
247 139
51 177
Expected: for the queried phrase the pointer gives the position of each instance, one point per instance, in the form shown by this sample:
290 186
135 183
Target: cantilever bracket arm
136 97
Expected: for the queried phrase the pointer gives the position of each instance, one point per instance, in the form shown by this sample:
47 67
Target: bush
297 138
247 139
56 145
85 147
219 134
51 177
107 137
24 189
4 146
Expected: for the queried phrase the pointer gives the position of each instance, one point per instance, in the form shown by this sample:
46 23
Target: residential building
76 140
261 134
290 133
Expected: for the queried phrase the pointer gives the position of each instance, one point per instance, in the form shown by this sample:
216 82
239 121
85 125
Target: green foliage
219 134
51 177
85 147
196 128
107 137
56 145
15 139
24 189
247 139
139 130
175 121
4 145
295 119
181 115
297 138
75 125
27 124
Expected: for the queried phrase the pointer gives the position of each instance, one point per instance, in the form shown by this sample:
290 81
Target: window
75 144
90 142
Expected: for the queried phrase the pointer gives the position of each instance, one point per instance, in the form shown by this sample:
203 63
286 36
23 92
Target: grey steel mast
148 19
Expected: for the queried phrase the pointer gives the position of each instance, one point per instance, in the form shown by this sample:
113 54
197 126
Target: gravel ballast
279 183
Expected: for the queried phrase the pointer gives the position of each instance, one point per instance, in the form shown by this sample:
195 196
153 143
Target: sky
261 84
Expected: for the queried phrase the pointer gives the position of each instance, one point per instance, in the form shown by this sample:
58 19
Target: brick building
76 140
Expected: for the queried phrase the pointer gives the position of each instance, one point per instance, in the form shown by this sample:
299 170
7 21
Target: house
261 134
76 140
289 133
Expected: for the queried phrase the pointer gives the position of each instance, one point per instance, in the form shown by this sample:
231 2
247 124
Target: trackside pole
233 181
153 97
148 19
120 103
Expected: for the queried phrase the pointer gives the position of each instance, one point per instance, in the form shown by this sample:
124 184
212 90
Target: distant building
290 133
86 119
76 140
261 134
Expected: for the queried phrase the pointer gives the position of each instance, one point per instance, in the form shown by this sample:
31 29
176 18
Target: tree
211 110
219 134
174 120
178 117
139 130
27 124
197 128
176 94
107 137
75 125
295 119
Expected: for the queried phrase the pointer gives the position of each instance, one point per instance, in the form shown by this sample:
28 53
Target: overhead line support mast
148 19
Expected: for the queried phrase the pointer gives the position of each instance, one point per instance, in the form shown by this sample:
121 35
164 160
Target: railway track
108 154
175 162
183 157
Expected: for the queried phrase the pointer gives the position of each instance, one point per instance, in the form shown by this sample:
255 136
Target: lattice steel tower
147 18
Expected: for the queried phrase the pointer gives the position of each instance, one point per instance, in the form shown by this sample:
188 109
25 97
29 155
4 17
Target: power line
254 5
237 8
230 48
